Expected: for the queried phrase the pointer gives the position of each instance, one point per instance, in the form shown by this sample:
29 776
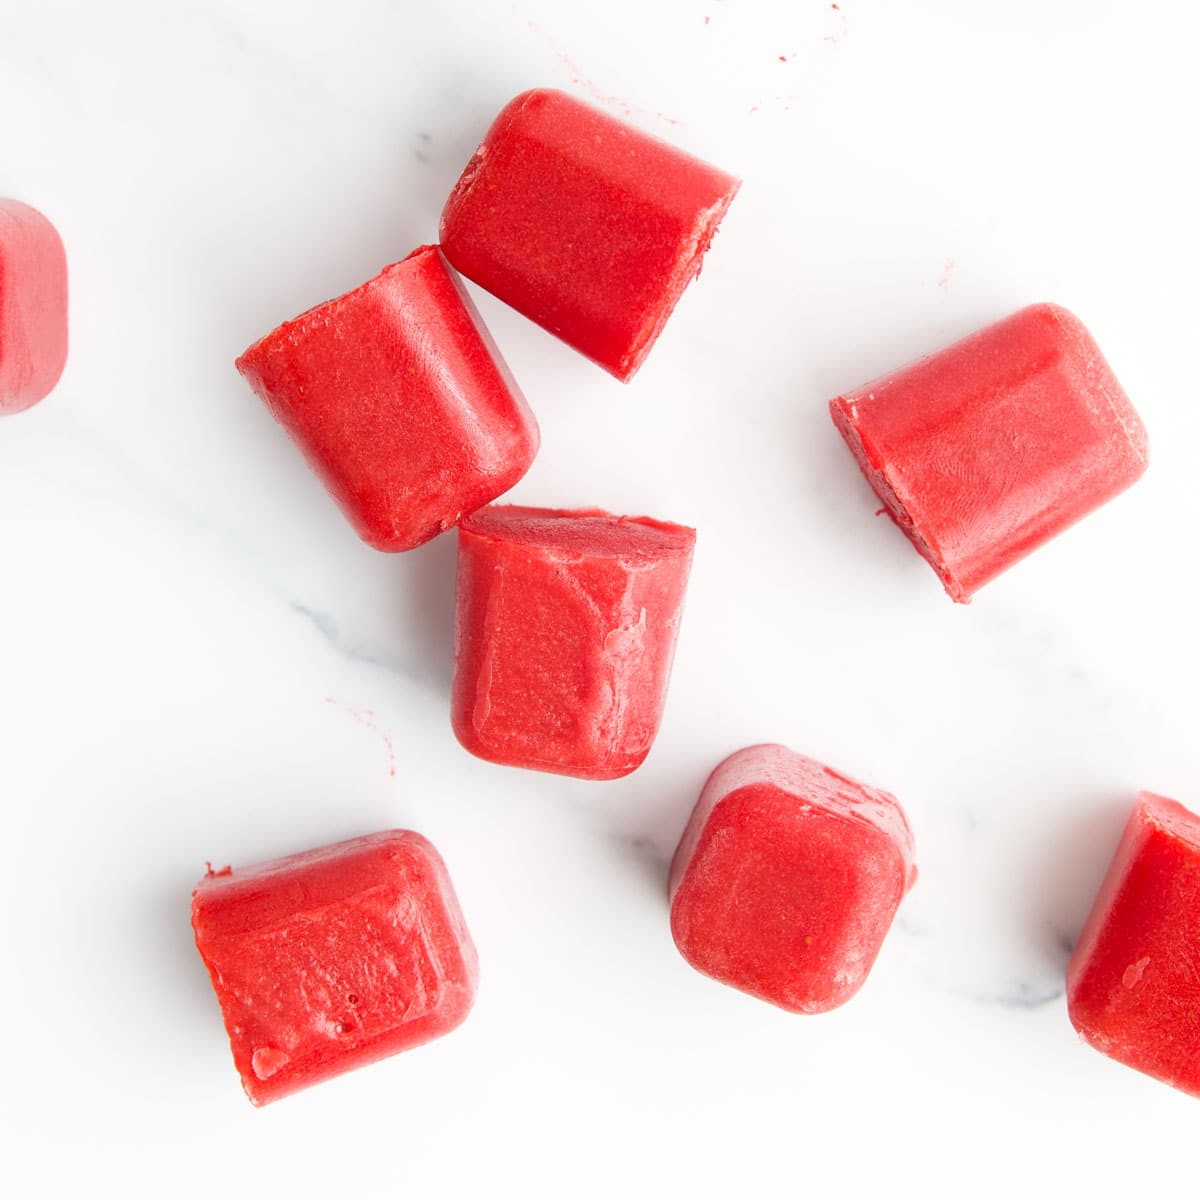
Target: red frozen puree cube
1133 983
586 225
989 448
334 958
399 400
564 635
787 878
33 306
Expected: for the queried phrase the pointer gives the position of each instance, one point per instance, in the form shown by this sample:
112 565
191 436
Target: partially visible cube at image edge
33 306
1133 982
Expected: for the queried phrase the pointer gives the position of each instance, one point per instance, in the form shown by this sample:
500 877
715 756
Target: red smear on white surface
598 94
947 271
368 718
838 35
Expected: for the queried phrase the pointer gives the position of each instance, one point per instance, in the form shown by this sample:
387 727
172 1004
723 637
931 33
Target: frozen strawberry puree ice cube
334 958
991 447
787 878
564 636
585 224
1133 983
33 306
400 401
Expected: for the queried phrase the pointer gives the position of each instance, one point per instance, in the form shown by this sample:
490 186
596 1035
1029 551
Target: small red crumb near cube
33 306
1133 983
334 958
989 448
585 224
787 878
564 636
400 401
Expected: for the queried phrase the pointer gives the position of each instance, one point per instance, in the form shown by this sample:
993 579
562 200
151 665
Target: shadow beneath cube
650 863
651 819
833 483
385 200
1062 885
173 963
424 580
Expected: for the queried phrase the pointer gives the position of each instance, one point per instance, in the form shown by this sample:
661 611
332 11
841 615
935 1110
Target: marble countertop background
200 661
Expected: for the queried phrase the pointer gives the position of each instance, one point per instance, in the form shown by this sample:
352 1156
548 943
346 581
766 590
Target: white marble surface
200 661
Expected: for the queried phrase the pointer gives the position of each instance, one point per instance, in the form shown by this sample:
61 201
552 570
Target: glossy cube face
986 450
398 398
1133 983
787 879
586 225
334 958
565 632
33 306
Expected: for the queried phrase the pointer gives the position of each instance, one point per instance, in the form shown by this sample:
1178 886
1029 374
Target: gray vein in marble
1022 994
134 475
349 649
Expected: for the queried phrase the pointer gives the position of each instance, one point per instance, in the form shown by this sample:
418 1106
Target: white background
199 661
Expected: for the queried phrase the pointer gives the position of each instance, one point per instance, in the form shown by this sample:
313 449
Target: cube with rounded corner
330 959
787 878
400 401
988 449
565 633
1133 982
585 224
33 306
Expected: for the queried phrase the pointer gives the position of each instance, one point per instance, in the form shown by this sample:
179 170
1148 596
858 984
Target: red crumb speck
603 98
209 873
708 20
783 58
838 36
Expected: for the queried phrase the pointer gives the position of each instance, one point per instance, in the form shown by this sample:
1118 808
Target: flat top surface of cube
787 878
330 959
582 533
